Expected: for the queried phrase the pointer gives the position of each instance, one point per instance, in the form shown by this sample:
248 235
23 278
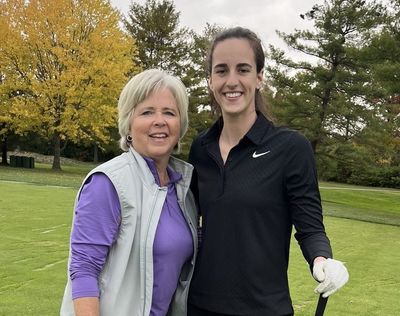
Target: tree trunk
4 151
57 152
322 115
314 144
95 153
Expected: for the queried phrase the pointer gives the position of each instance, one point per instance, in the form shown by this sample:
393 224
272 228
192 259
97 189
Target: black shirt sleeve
304 199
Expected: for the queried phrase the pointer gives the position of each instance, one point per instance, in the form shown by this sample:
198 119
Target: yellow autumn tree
63 64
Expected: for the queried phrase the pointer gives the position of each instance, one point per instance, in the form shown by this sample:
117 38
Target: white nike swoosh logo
255 155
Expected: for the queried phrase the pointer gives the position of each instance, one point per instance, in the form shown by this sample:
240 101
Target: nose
159 119
232 80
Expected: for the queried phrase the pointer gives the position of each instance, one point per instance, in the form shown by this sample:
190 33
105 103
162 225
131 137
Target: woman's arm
95 228
86 306
304 199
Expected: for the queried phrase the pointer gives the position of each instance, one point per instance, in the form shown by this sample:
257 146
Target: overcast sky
261 16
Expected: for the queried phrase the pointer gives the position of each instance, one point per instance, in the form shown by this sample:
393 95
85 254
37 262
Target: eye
244 70
170 113
146 112
220 71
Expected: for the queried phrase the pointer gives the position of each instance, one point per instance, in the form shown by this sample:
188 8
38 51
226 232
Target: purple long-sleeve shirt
96 227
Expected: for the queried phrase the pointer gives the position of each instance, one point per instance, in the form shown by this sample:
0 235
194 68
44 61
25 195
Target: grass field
35 215
375 205
70 176
35 225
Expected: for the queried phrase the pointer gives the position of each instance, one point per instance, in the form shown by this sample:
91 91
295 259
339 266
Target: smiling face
234 76
155 126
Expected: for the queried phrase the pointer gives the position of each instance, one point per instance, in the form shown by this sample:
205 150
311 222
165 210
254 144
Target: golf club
321 305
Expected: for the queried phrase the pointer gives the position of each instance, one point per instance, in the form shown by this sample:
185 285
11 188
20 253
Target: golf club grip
321 305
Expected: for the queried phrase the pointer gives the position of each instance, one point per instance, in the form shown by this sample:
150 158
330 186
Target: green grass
35 226
69 176
362 203
36 219
372 255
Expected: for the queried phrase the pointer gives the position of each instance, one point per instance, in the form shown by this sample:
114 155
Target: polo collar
259 129
181 169
174 177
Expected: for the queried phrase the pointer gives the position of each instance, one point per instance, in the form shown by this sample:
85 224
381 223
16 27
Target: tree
328 97
383 131
163 44
346 100
324 97
4 121
375 149
66 62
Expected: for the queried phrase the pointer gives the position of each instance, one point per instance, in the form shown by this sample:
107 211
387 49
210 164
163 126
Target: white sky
261 16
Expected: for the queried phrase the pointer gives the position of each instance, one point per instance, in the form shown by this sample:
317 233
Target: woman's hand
331 273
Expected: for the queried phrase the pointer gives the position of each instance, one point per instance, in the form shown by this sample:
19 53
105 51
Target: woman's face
155 126
234 76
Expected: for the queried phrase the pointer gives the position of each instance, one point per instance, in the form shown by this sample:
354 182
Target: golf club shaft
321 305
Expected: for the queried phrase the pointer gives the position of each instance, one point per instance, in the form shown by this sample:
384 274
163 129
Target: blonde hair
138 89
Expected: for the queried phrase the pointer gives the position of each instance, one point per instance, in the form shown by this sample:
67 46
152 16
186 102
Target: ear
210 86
260 78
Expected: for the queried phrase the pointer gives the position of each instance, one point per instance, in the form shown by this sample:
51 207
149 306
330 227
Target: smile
158 135
233 94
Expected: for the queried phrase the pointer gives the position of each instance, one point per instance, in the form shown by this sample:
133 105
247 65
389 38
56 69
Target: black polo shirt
248 206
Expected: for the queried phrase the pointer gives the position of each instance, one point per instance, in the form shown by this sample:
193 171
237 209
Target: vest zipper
145 246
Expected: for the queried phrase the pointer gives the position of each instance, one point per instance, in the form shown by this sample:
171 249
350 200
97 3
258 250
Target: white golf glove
332 274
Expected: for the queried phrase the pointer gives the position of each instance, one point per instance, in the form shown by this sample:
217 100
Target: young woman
133 241
253 182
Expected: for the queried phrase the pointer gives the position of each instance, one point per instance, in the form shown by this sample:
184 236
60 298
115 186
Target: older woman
133 240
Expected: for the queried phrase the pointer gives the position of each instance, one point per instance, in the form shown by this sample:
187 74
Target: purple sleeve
95 228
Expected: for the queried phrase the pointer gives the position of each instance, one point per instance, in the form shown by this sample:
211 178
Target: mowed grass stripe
365 204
